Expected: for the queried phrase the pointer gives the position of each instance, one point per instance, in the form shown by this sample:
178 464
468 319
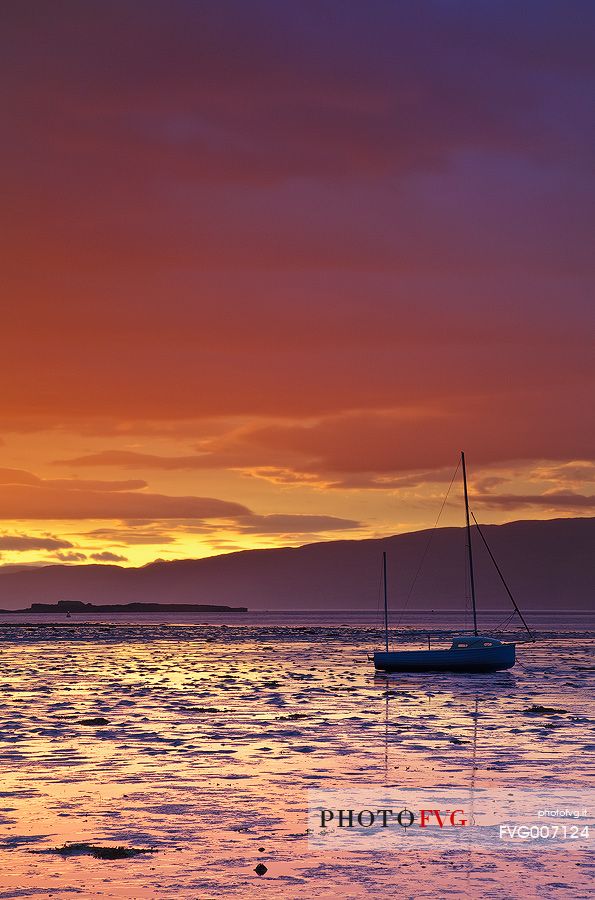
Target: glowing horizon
255 298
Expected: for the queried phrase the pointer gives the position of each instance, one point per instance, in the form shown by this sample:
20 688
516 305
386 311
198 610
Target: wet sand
205 745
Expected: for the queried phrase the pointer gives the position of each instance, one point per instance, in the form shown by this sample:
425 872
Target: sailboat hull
480 659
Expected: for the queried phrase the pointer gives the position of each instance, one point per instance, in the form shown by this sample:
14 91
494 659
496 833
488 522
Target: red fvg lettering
426 814
441 819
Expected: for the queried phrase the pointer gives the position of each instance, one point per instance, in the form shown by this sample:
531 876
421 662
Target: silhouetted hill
548 565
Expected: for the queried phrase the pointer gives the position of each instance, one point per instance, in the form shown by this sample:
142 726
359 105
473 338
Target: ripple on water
203 759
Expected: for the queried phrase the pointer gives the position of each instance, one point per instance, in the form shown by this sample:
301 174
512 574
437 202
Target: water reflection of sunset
212 743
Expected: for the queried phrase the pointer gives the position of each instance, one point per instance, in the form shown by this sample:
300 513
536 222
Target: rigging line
427 547
502 579
505 622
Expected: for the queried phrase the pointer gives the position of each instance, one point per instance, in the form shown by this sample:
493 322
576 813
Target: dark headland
77 606
547 564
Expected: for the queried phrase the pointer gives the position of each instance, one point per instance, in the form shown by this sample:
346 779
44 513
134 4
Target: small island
77 606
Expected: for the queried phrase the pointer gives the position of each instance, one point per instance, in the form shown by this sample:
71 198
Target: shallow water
217 737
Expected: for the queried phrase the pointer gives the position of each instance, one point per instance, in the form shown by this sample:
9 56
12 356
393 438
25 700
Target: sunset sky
268 266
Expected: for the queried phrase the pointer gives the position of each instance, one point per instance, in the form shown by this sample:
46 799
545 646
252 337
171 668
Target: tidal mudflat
199 747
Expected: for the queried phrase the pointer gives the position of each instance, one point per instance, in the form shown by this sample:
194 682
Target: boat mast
385 600
469 550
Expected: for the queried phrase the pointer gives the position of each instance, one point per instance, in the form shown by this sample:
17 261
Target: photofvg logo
361 819
388 818
358 818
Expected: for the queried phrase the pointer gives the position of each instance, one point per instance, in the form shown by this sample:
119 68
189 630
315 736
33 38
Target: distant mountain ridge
549 565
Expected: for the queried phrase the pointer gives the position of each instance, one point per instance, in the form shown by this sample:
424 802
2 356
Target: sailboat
469 653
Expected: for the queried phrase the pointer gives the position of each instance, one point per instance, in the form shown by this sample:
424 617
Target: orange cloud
24 543
293 524
564 501
371 449
37 498
129 459
71 556
107 556
141 534
20 477
25 496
